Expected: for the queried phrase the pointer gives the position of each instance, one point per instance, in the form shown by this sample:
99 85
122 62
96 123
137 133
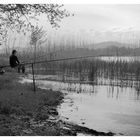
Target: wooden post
33 77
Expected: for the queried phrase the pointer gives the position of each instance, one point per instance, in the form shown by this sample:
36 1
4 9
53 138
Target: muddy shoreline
29 125
25 113
65 128
38 126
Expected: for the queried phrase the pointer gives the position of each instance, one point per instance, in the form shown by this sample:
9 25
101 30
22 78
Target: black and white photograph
69 69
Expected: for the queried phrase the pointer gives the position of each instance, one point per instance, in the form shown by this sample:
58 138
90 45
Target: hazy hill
107 44
108 51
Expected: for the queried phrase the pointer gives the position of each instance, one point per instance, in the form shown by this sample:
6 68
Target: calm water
101 107
122 58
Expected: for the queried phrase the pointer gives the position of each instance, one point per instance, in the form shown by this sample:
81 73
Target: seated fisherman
14 62
2 71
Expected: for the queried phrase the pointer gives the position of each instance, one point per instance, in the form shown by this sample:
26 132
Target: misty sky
92 24
104 17
103 22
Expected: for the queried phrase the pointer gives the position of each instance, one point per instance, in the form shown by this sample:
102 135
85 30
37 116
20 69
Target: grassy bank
19 104
25 113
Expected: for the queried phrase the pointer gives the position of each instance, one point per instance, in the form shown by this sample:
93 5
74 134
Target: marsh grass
96 67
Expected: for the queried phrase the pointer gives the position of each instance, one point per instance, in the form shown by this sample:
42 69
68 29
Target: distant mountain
110 49
107 44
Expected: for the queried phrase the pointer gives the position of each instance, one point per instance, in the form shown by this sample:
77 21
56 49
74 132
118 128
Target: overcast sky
105 16
95 23
103 22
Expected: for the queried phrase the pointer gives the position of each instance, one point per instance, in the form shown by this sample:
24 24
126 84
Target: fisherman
2 71
14 62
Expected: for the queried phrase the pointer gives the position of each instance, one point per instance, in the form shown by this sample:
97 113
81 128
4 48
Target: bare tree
18 16
36 35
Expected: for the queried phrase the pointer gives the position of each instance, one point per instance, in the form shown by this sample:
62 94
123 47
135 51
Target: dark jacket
13 61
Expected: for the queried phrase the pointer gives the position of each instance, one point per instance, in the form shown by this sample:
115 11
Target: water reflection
114 88
106 98
106 106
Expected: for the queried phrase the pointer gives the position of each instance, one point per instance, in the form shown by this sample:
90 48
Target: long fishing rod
54 60
61 59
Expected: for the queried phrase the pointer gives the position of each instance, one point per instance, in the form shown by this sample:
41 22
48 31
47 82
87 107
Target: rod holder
33 78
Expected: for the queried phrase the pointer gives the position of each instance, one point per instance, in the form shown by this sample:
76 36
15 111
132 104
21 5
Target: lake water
102 107
122 58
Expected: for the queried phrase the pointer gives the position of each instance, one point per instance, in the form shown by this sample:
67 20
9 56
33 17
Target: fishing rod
54 60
